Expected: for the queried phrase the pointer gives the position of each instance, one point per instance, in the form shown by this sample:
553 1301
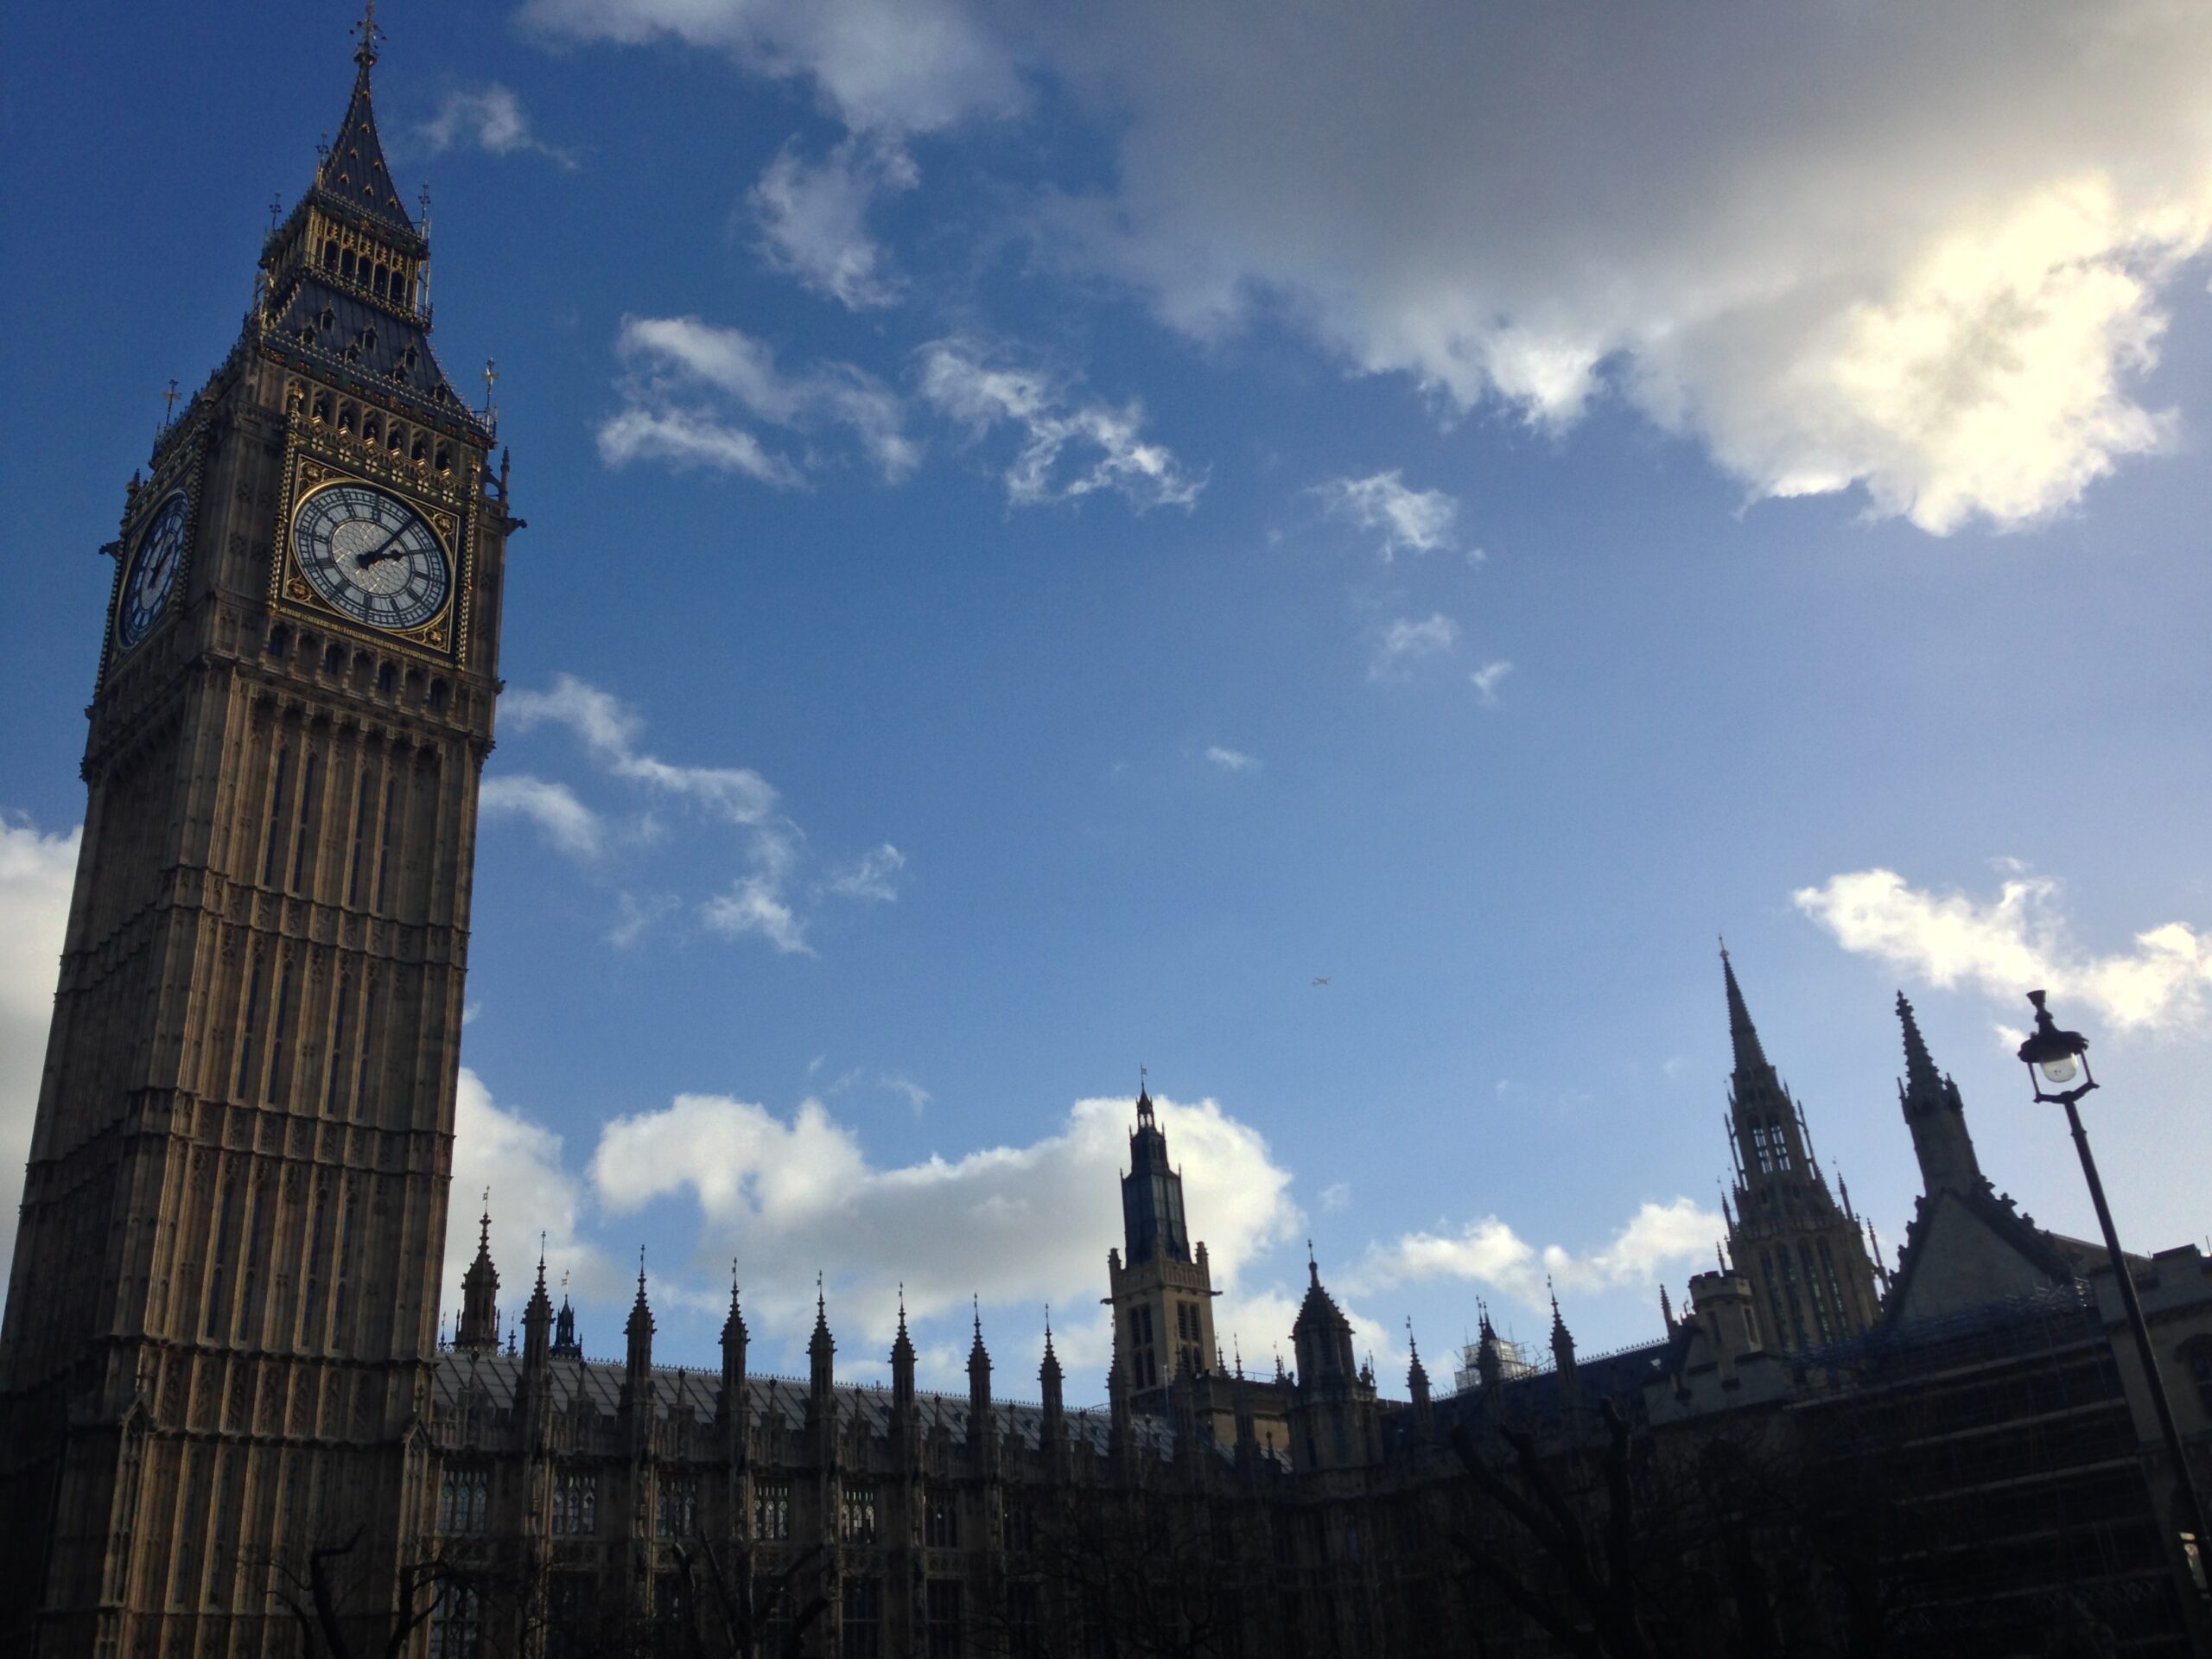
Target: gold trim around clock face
290 582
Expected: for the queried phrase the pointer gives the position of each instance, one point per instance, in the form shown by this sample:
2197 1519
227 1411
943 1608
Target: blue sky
1047 537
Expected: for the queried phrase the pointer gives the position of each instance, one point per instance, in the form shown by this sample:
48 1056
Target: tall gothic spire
1935 1115
1743 1035
820 1349
538 1316
479 1287
353 173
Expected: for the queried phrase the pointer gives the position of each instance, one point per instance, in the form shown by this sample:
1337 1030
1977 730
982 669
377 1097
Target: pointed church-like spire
353 173
479 1330
1743 1035
1935 1115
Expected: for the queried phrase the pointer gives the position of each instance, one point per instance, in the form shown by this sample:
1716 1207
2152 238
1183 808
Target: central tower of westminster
223 1314
229 1429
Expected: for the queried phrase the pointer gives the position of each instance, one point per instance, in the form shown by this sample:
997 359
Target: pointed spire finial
1742 1036
366 30
1920 1073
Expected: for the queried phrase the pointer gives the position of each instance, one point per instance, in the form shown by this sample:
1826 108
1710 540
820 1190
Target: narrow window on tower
341 1019
310 822
362 1074
221 1252
1835 1288
390 835
364 799
345 1254
280 1047
249 1032
272 842
318 1237
1816 1291
1781 1146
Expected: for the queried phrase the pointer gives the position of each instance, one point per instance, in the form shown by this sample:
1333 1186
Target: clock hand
377 557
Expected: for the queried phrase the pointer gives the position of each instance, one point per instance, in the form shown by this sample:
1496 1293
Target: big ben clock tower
221 1320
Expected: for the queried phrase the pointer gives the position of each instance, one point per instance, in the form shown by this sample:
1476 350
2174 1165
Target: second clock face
371 555
154 565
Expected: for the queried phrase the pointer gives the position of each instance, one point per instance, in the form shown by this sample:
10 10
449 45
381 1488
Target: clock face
371 555
154 566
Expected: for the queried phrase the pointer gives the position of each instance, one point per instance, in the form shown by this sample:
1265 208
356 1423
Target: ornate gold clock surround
441 500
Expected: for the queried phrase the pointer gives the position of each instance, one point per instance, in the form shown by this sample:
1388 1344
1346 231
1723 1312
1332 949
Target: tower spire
368 33
1743 1035
1935 1115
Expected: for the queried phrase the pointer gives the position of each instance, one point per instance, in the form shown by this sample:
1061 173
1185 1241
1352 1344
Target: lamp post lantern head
2057 1058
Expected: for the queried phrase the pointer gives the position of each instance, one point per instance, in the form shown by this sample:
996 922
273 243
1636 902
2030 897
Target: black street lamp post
2059 1057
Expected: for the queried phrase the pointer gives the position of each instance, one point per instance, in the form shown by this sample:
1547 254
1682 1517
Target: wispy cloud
813 218
567 821
1412 521
491 119
610 729
766 900
2021 941
904 1086
1489 677
980 390
871 876
1232 759
1405 641
693 394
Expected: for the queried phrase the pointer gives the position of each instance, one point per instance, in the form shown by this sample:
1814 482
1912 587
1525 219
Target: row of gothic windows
464 1500
1812 1267
432 690
243 1236
395 438
1769 1148
772 1511
384 280
576 1503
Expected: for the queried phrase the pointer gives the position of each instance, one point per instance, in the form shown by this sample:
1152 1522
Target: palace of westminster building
229 1425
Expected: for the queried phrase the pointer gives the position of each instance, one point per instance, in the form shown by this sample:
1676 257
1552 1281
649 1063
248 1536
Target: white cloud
888 65
870 876
757 902
1488 1251
610 729
976 388
1925 252
36 874
2017 944
1336 1196
904 1086
813 218
1412 521
1232 759
1488 677
1017 1225
687 384
692 437
566 822
492 120
520 1161
1405 642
